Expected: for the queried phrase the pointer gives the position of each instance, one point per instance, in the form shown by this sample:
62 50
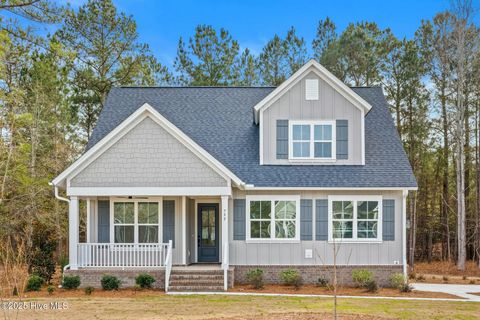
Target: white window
136 221
273 218
355 218
312 140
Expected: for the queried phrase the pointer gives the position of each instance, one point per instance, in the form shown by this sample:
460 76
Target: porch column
73 231
404 233
224 227
88 222
184 229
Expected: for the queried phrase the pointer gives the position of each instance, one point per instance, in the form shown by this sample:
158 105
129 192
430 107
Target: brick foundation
310 274
92 277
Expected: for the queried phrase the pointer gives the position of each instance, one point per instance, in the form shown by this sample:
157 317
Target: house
207 183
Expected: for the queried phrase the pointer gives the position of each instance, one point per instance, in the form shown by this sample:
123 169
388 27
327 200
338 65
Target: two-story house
214 181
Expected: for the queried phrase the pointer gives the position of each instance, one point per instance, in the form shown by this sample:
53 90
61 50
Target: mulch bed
343 291
308 316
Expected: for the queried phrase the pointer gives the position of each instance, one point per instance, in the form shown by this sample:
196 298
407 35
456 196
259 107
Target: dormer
312 118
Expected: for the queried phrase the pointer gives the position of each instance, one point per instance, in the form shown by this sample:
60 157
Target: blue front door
208 232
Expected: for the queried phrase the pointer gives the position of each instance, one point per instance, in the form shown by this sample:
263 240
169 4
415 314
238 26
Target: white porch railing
225 266
123 255
168 265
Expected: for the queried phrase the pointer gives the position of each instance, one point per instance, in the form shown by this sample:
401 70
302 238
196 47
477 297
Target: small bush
50 289
70 282
362 277
420 277
137 287
89 290
464 278
255 278
405 287
412 275
110 283
34 283
291 277
145 280
322 282
472 282
371 286
445 278
397 280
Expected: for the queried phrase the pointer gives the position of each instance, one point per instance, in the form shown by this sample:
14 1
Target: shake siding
330 106
385 253
148 156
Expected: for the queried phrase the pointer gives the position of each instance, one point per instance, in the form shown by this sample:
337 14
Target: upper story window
312 140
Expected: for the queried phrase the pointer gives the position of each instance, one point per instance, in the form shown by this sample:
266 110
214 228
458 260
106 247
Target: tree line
53 87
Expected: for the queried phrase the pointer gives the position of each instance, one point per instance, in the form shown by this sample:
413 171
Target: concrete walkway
461 290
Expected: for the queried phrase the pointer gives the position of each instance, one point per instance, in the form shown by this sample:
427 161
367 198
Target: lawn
153 306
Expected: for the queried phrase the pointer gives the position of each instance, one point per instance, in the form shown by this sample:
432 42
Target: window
136 222
356 218
312 140
273 219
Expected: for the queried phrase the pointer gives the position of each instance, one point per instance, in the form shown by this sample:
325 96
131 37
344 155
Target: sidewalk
461 290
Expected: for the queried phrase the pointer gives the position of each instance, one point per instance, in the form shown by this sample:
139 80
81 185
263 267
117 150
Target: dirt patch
435 278
447 268
343 291
77 293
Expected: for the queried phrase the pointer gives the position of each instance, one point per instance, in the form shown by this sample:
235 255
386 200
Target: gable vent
311 89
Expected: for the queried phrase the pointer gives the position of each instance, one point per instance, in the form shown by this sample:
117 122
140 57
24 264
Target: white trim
140 114
252 187
73 232
355 199
149 191
312 140
362 129
261 137
404 233
184 229
325 75
272 198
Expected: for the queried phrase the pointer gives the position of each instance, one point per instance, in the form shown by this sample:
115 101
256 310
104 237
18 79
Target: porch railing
122 255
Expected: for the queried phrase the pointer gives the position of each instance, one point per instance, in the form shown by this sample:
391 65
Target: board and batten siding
276 253
148 156
331 105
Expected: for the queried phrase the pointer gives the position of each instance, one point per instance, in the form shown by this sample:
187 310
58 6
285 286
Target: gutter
67 201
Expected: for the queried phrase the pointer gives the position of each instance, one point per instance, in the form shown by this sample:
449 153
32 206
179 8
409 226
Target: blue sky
253 23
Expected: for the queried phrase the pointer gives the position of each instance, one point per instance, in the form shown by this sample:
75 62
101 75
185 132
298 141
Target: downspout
61 199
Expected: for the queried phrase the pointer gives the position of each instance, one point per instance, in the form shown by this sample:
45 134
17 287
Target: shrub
412 275
322 282
464 278
445 278
361 277
89 290
397 280
41 257
110 283
291 277
371 286
145 280
34 283
71 282
255 278
420 277
50 289
406 287
472 282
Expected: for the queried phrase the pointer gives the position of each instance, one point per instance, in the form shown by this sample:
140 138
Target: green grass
259 307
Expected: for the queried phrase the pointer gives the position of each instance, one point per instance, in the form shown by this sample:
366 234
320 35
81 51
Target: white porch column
184 229
404 233
89 221
224 226
73 230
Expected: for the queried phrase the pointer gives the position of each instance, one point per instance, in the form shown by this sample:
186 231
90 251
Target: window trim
312 125
136 224
272 199
355 199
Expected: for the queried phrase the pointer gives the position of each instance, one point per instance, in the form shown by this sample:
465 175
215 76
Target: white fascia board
251 187
325 75
148 191
135 118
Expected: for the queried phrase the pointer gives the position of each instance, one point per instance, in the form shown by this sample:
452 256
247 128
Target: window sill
311 160
355 241
272 241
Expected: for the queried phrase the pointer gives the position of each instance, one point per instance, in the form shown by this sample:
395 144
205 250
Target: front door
208 232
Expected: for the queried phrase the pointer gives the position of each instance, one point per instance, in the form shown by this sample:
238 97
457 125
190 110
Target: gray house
197 185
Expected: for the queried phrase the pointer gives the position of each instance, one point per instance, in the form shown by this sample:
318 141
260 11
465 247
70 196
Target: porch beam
148 191
73 230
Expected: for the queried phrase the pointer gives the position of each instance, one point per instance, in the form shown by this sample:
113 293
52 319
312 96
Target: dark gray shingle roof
220 119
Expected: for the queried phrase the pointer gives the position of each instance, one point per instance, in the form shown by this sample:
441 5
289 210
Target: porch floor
199 266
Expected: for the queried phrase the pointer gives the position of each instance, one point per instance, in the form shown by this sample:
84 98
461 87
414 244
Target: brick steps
196 280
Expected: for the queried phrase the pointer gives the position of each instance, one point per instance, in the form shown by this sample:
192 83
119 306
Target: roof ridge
194 87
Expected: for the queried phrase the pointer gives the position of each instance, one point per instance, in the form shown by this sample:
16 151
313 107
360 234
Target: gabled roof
325 75
219 120
124 127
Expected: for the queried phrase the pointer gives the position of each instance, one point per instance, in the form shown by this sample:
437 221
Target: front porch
128 235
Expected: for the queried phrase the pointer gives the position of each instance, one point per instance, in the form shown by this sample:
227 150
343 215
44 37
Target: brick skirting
92 277
310 273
